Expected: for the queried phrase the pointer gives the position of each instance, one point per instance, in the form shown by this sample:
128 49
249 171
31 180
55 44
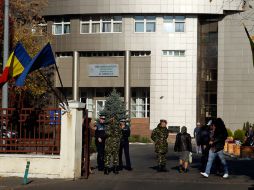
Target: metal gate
85 163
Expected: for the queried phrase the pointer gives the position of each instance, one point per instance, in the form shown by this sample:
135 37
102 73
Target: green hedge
138 138
239 135
230 133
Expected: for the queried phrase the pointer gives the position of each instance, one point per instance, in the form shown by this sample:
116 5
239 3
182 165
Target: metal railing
30 131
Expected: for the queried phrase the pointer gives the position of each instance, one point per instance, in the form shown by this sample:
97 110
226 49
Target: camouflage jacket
113 134
160 136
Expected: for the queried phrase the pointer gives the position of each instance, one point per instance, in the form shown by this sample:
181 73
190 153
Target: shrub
239 135
230 133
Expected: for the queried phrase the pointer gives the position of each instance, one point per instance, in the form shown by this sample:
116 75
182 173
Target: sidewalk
145 177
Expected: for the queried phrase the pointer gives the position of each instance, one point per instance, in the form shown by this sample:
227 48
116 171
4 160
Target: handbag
190 157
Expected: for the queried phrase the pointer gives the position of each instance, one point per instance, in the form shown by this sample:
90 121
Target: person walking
112 146
184 147
100 142
124 145
160 136
217 143
197 136
203 140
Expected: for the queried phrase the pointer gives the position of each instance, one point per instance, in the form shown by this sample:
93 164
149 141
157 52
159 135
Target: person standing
160 136
197 136
112 146
100 142
184 147
124 145
217 143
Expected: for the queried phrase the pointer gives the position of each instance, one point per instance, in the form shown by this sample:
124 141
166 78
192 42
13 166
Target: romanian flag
16 64
251 44
43 59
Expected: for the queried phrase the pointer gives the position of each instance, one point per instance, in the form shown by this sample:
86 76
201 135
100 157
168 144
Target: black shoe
163 168
106 171
120 168
129 168
159 168
115 170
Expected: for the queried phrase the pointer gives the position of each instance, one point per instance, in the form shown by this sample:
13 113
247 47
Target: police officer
160 136
124 145
100 142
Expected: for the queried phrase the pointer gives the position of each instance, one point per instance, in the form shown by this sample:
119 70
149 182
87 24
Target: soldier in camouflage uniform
112 146
159 136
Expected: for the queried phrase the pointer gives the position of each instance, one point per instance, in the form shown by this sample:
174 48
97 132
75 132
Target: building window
64 54
174 23
140 53
175 53
145 23
102 54
60 28
104 24
140 104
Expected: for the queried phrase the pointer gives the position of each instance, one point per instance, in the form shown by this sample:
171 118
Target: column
127 88
76 72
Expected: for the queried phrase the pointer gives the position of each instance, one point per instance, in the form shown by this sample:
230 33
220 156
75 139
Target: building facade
185 61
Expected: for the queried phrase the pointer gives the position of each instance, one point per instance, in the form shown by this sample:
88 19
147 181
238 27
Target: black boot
115 170
163 168
106 170
159 168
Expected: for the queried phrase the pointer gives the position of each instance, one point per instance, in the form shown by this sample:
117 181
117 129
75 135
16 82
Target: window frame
174 21
145 21
174 53
62 23
100 21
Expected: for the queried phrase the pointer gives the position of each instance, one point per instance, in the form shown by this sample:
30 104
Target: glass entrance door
100 104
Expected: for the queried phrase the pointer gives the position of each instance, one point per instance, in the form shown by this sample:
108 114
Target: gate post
71 141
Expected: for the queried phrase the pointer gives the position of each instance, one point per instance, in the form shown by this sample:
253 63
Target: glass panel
168 18
153 18
139 27
106 18
106 27
182 53
85 28
95 27
66 28
180 18
169 27
170 52
117 27
58 29
150 27
177 53
117 18
139 18
164 52
179 27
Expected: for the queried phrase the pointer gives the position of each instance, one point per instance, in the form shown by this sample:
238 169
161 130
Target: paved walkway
144 176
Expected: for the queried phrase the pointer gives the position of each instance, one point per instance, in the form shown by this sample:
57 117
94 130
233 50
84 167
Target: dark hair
220 127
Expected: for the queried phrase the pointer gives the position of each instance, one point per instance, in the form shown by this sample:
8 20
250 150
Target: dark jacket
100 132
203 136
125 133
219 139
183 142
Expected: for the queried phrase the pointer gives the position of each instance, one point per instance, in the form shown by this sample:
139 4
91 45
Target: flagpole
6 52
61 84
48 83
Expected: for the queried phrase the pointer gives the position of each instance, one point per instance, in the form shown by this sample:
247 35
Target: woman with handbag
184 147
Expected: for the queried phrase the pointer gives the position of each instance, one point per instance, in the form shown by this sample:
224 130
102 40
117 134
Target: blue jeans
211 158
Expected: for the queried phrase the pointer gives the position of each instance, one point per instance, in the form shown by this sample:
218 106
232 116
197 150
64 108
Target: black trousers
124 146
100 154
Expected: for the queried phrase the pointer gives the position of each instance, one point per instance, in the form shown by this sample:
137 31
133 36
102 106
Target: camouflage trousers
161 159
112 151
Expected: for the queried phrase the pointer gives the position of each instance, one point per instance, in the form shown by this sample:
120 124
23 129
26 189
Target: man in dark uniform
100 142
124 145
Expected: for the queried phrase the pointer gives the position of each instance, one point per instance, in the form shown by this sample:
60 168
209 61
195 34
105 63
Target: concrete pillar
127 88
76 73
71 142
